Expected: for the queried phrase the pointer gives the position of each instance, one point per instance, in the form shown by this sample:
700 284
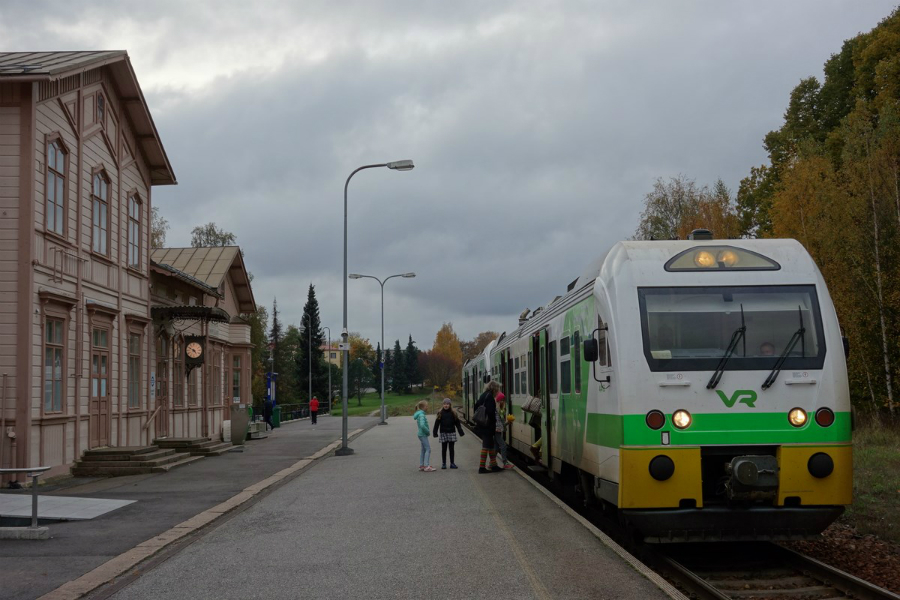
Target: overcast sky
536 129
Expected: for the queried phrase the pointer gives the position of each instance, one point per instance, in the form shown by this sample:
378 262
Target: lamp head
401 165
354 276
408 275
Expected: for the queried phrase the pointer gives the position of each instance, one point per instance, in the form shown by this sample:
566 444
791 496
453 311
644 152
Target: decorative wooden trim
95 309
47 296
137 321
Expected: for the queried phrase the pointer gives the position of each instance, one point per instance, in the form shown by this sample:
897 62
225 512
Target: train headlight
824 417
681 419
729 258
797 417
655 419
704 259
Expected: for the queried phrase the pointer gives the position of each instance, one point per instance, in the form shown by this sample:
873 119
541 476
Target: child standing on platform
445 423
422 421
500 431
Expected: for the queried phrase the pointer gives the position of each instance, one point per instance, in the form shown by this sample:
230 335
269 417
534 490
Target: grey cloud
536 130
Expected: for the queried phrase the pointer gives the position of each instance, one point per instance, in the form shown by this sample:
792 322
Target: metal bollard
34 499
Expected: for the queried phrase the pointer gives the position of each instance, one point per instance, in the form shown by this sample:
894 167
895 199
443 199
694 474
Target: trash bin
276 417
240 420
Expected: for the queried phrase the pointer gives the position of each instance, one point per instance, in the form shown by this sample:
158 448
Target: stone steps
135 460
195 446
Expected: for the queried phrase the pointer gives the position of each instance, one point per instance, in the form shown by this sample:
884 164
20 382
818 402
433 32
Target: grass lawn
396 404
876 483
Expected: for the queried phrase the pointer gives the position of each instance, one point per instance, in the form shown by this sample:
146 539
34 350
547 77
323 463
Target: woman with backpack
485 418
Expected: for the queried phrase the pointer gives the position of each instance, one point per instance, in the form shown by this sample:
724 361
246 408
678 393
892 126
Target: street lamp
328 361
381 283
397 165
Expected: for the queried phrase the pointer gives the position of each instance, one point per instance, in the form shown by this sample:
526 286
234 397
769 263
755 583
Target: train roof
645 261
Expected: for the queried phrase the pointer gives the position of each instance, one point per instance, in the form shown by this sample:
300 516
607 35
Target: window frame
236 378
58 348
98 202
134 230
135 357
59 204
736 363
178 376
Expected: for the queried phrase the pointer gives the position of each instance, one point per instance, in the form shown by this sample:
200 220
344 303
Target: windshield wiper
798 335
735 338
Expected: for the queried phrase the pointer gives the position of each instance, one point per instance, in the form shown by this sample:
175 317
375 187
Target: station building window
54 362
55 191
134 232
134 370
100 223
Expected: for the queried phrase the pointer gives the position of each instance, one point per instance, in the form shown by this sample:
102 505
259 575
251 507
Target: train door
542 384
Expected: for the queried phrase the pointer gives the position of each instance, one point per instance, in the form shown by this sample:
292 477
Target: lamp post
381 283
397 165
328 361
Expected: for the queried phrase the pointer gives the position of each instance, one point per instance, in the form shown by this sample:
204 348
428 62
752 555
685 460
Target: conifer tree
277 352
311 340
376 367
412 364
399 382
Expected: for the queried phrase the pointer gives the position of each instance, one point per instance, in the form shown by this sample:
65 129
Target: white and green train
698 387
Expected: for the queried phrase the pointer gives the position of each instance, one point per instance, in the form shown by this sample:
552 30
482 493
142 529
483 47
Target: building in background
198 297
332 354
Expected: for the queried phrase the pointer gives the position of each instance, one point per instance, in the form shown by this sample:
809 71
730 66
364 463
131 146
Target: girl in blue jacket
422 421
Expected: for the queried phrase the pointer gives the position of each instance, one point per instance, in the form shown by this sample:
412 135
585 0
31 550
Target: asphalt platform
32 568
371 525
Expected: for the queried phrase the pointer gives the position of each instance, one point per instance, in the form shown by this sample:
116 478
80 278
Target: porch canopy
204 314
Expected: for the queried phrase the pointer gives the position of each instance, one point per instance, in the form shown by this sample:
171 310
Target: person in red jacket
313 409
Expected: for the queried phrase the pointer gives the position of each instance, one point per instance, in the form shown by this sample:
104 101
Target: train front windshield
690 328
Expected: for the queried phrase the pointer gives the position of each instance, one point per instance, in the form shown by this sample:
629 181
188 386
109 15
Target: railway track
758 571
729 570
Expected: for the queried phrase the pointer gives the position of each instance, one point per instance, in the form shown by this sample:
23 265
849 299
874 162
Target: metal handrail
34 473
151 417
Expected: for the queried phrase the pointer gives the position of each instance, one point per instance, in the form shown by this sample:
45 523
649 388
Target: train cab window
551 373
576 361
690 328
565 367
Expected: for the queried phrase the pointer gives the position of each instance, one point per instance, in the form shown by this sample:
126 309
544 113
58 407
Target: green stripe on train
613 431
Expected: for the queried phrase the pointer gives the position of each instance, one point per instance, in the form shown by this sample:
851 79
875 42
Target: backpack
480 417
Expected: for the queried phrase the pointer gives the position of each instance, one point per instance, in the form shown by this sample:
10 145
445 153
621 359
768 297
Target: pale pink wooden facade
181 277
74 262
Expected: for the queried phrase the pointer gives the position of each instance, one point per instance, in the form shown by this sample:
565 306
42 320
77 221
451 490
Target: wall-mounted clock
194 351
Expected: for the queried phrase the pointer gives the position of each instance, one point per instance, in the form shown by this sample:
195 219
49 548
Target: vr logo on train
747 397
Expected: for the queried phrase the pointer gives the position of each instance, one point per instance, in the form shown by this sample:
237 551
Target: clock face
194 350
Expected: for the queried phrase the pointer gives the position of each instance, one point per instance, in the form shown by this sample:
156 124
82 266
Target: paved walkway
29 569
371 525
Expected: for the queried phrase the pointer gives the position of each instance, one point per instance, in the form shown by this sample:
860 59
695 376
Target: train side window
576 361
529 390
518 383
565 368
516 363
552 370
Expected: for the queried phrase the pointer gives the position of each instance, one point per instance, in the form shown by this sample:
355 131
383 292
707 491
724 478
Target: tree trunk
878 284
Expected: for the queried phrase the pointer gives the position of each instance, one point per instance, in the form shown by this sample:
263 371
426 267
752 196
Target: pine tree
399 382
412 364
277 353
311 340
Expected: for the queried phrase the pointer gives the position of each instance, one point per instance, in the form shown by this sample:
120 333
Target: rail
769 571
151 417
34 473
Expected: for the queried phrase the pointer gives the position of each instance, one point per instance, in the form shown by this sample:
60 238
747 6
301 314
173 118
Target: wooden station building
79 337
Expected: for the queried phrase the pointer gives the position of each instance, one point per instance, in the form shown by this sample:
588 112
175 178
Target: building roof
209 266
52 66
